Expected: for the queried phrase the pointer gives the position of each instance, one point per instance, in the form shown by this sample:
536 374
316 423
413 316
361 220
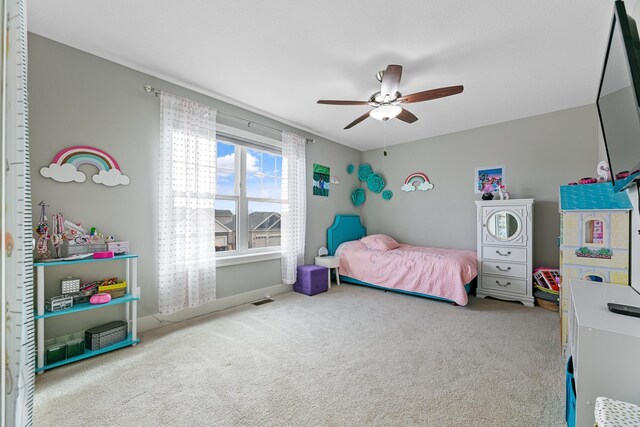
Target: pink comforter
432 271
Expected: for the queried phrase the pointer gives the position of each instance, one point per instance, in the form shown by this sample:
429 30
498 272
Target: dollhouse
594 238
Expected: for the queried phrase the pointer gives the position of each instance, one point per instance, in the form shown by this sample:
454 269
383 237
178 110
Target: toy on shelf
69 239
103 255
117 248
547 277
112 286
504 194
587 180
70 285
101 298
42 230
604 174
60 302
584 181
57 232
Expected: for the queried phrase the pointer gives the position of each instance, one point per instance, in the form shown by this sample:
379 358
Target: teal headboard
344 228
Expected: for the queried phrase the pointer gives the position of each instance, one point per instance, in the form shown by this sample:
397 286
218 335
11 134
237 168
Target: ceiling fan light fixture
385 112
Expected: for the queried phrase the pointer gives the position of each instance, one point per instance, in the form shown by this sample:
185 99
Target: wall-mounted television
618 98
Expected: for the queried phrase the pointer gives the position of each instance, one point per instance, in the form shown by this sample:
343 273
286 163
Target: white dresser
505 249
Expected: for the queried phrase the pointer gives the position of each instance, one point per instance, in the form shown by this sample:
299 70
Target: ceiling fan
386 103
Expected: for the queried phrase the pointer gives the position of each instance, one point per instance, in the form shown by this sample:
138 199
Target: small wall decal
334 180
417 182
64 166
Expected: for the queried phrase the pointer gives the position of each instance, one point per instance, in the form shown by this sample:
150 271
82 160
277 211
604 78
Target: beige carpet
351 357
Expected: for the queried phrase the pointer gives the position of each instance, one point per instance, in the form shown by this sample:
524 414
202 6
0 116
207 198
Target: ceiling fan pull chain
385 138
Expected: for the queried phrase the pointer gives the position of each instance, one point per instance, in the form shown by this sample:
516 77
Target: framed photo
488 179
321 180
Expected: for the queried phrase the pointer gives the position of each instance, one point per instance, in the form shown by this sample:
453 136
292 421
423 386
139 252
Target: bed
441 274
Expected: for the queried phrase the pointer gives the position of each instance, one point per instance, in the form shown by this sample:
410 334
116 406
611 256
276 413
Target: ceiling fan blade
406 116
334 102
431 94
358 120
391 80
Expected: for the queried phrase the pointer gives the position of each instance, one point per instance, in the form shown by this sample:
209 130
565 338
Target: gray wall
540 154
77 98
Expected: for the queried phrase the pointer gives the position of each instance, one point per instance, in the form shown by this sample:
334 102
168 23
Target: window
248 196
594 232
226 197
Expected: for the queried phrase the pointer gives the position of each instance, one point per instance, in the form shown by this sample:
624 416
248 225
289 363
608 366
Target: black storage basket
105 335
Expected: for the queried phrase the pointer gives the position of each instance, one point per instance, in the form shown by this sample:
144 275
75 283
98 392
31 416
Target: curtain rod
150 89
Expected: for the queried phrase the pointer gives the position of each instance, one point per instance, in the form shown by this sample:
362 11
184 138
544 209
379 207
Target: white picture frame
489 176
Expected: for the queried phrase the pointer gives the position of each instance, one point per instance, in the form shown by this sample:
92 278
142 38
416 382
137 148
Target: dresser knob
505 285
501 254
502 269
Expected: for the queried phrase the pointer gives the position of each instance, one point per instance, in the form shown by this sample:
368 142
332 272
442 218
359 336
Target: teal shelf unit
86 306
91 353
83 261
129 300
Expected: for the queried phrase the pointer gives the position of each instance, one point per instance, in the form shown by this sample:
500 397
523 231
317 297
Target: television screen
618 100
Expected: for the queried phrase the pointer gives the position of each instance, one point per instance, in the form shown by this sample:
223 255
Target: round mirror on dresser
503 225
505 249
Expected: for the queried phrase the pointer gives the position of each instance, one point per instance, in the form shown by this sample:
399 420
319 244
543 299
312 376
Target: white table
330 262
604 346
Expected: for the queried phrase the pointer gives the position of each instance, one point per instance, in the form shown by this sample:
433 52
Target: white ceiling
515 58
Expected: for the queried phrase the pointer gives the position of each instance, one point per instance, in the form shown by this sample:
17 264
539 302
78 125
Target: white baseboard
158 320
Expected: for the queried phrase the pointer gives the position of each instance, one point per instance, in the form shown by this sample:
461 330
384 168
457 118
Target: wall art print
417 181
487 180
321 180
65 164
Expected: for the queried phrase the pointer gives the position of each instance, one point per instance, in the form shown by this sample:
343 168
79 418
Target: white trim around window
235 258
242 254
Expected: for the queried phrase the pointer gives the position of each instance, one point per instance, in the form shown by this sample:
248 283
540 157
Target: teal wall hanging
364 170
375 182
350 168
358 197
387 194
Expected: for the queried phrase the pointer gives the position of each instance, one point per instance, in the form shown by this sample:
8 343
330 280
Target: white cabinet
505 249
604 346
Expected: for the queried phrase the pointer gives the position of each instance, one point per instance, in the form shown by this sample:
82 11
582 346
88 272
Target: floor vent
264 301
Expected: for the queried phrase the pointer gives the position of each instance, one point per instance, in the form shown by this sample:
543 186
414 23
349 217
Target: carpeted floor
354 356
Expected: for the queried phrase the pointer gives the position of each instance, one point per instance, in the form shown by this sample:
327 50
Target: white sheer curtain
187 183
294 205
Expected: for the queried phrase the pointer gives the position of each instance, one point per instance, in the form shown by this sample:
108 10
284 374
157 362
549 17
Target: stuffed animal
504 194
604 175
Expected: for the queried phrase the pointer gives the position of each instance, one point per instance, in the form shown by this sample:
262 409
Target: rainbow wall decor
65 164
417 181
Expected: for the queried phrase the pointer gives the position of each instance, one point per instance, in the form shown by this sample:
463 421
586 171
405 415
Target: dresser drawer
501 268
504 284
504 253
